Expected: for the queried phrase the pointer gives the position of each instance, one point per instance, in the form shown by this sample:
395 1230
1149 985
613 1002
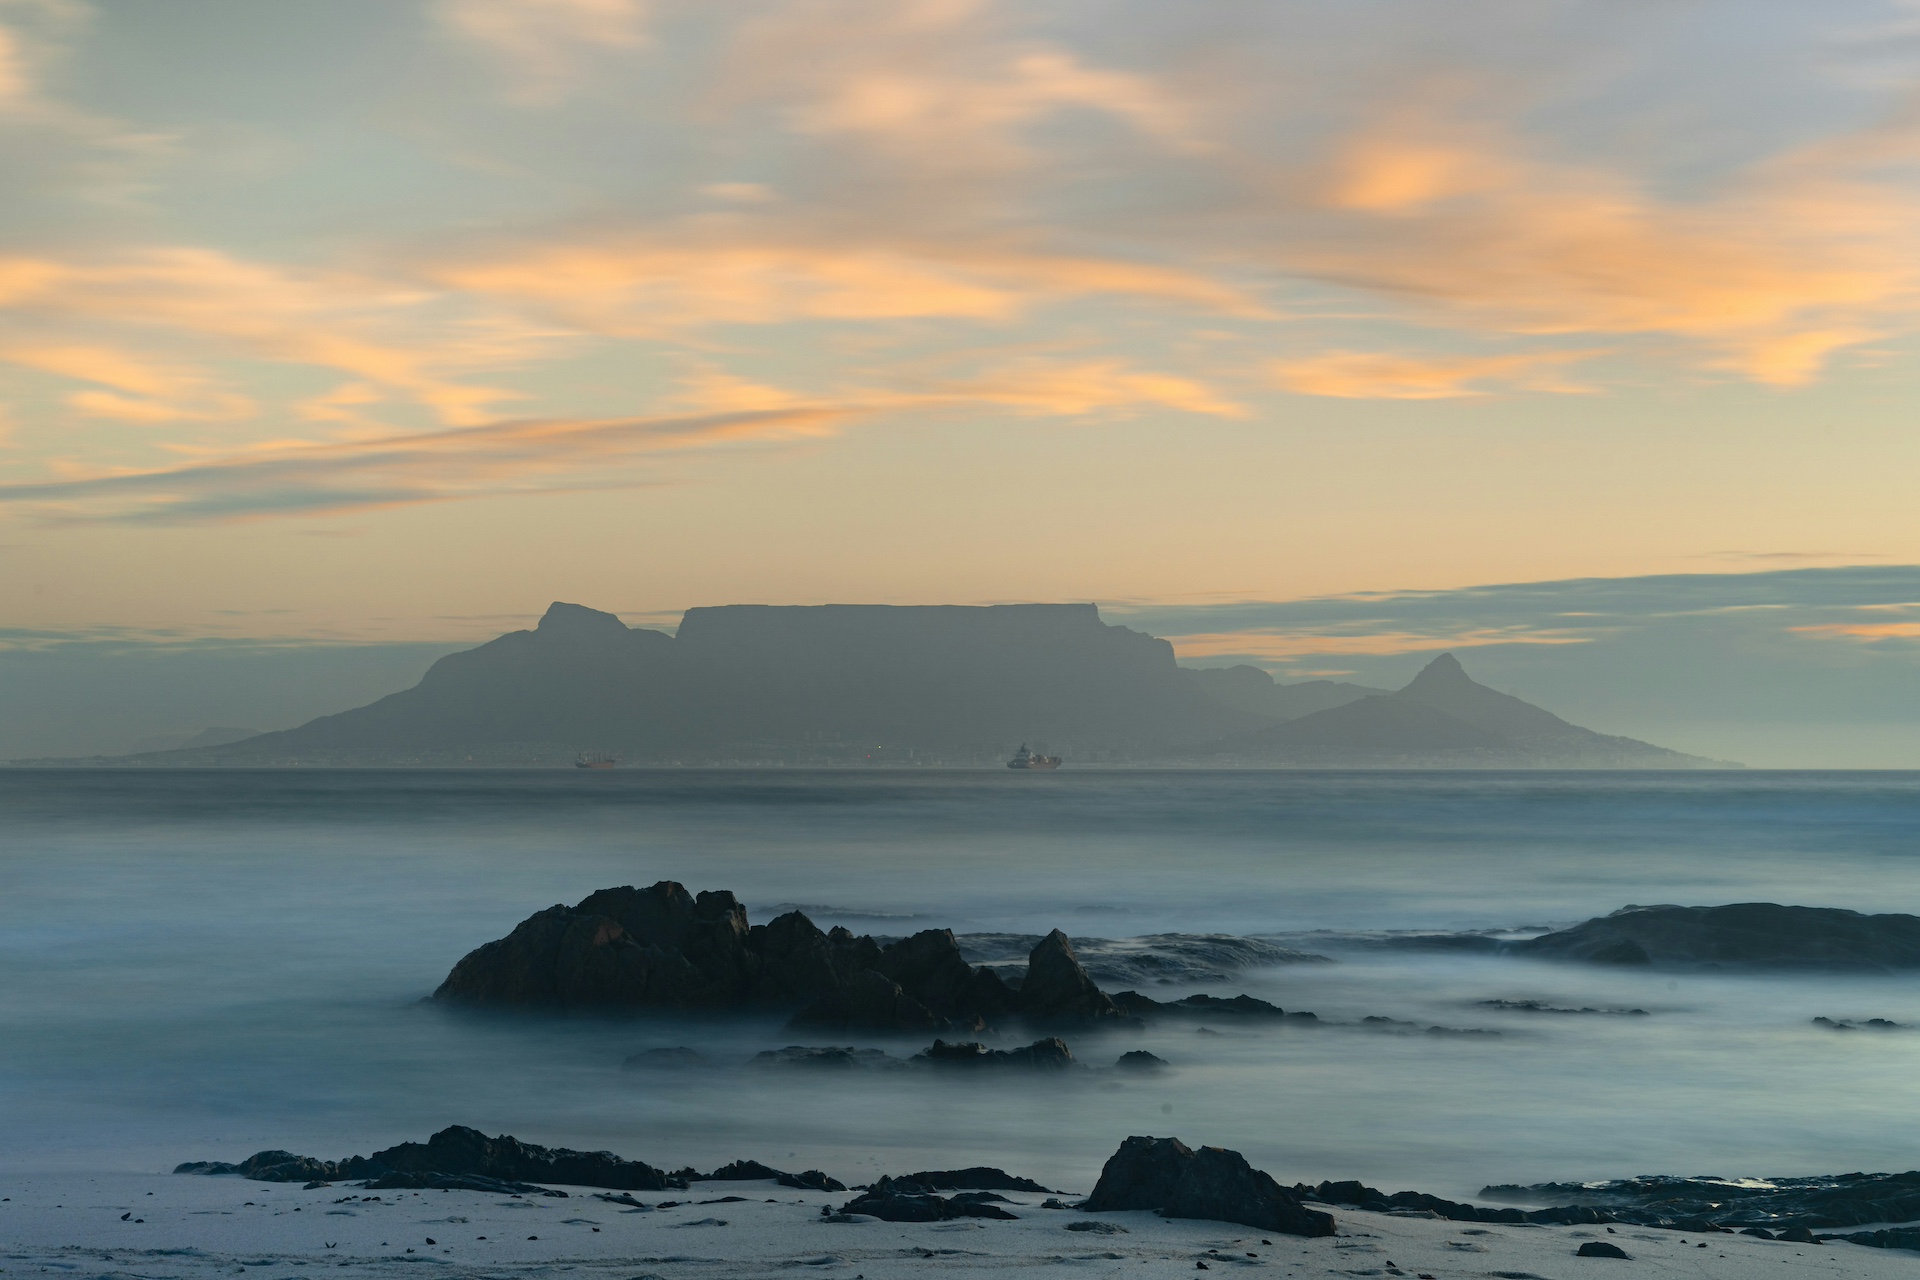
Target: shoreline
178 1226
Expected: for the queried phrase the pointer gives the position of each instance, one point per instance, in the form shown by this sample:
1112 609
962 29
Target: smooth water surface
202 964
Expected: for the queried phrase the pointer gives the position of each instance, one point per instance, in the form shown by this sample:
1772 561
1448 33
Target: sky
333 331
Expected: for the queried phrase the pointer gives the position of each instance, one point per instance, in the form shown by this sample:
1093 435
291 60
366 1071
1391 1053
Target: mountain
1444 719
804 684
1250 689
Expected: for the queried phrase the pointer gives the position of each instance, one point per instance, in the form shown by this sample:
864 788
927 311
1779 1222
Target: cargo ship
1024 759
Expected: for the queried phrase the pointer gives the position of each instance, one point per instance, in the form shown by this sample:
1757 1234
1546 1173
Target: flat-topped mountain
1444 719
947 684
814 684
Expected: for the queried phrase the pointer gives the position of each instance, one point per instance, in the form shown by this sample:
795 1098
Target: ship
1024 759
593 760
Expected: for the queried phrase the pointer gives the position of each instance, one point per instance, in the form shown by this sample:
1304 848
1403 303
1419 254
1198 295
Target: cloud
1869 632
305 479
741 275
544 44
1770 270
941 86
1362 375
400 337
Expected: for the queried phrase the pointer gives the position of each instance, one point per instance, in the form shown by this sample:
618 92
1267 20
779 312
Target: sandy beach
160 1226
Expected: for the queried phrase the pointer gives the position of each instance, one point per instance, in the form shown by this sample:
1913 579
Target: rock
1165 1175
811 1180
892 1206
754 1171
678 1058
1057 989
976 1178
1600 1249
1780 1204
1871 1024
1748 934
456 1151
1050 1054
1889 1238
1140 1060
1098 1228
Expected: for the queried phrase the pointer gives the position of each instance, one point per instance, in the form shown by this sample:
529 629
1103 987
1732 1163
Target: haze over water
198 965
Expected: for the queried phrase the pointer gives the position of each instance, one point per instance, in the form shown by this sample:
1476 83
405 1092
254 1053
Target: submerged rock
1141 1060
1050 1054
1748 934
828 1058
1165 1175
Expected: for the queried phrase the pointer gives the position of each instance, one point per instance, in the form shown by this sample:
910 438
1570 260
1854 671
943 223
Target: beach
163 1226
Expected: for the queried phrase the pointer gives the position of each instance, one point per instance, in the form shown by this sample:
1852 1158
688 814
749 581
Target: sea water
198 965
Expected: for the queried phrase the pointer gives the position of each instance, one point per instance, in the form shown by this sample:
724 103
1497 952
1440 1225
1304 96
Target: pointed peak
1443 670
576 619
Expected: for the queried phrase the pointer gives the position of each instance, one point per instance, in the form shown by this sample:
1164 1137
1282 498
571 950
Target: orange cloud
1360 375
1773 273
665 287
1869 632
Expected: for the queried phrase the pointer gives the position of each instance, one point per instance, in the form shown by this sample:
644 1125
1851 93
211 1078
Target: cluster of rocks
1747 934
664 948
462 1159
1871 1024
1773 1205
1155 958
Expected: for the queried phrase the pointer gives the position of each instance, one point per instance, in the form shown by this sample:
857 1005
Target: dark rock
1098 1228
1164 1174
743 1171
678 1058
754 1171
1057 988
1890 1238
1748 934
811 1180
1707 1204
457 1151
1541 1006
1050 1054
1795 1235
889 1205
976 1178
1600 1249
1141 1060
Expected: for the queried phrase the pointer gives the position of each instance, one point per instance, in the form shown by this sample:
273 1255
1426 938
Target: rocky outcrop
664 948
457 1151
974 1178
898 1206
1169 1177
1050 1054
754 1171
1747 935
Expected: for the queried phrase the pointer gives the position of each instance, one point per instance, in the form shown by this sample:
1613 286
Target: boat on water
593 760
1024 759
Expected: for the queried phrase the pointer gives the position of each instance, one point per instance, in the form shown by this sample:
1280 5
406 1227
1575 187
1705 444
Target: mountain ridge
937 684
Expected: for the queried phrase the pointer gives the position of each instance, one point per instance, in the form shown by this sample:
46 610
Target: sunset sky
392 320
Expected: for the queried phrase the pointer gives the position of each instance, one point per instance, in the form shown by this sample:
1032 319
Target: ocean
201 964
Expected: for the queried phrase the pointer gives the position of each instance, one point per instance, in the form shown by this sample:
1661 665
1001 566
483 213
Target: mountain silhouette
1445 718
823 684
